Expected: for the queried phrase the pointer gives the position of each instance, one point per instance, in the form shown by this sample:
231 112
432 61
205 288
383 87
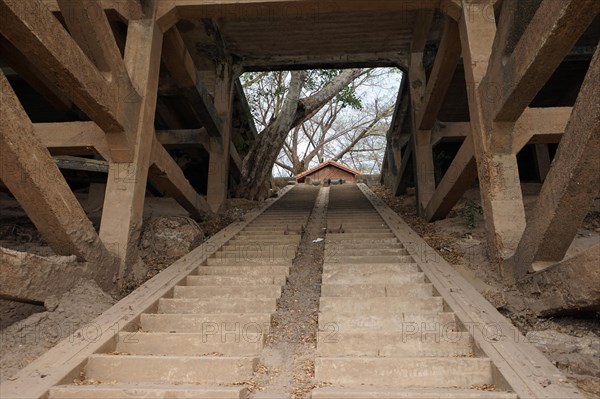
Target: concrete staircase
204 339
383 331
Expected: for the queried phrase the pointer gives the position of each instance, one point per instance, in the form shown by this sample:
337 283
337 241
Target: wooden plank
401 183
177 59
169 178
423 154
500 187
180 65
122 10
527 372
206 112
90 28
542 160
62 364
184 137
170 11
73 135
570 187
421 28
445 64
31 175
459 177
540 125
535 125
218 169
42 39
30 74
243 112
126 184
449 130
552 33
82 164
235 157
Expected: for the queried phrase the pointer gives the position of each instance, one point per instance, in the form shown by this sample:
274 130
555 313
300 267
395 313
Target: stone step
367 251
443 343
409 321
391 393
331 265
207 343
415 372
146 391
234 280
248 262
377 290
213 370
217 305
372 277
207 323
247 271
380 306
227 292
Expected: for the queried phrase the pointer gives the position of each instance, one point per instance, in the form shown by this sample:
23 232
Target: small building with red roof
328 170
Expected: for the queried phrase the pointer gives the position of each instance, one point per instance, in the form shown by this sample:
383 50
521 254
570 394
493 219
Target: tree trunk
258 164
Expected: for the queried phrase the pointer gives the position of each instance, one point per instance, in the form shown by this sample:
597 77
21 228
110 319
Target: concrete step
217 305
347 240
285 248
377 290
335 223
206 343
409 321
357 245
380 306
391 393
248 262
359 230
234 280
359 236
291 228
251 254
227 292
415 372
213 370
264 240
393 259
367 251
246 271
332 265
218 324
372 277
394 344
146 391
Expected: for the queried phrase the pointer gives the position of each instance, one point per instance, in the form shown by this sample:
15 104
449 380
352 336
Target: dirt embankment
571 343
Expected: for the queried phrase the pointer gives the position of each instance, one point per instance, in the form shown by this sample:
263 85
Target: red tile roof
325 164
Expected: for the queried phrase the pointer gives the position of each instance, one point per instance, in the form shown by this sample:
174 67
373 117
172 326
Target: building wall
331 172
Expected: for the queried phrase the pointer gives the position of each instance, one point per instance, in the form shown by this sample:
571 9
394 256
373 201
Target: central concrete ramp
384 331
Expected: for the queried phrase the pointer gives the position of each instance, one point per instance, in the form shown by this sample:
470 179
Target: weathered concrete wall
568 287
31 278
